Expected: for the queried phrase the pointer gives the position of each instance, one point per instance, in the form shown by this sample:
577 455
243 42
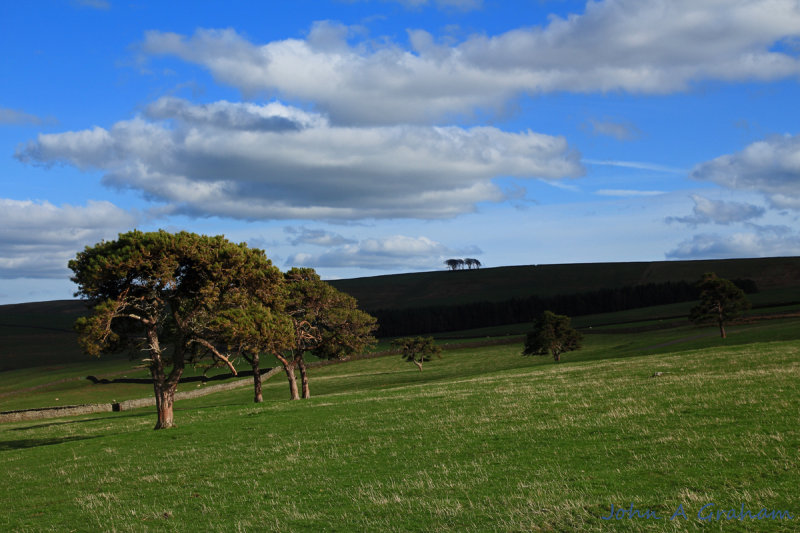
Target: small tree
720 302
552 334
417 350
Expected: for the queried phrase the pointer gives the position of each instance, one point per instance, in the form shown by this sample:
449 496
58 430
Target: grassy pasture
481 440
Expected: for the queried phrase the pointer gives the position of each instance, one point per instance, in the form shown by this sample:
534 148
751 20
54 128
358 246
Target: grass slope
481 440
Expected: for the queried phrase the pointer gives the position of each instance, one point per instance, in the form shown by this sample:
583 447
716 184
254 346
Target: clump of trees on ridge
460 264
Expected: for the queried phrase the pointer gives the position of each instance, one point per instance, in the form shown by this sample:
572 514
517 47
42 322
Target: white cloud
759 241
37 239
251 162
398 252
718 212
654 47
771 167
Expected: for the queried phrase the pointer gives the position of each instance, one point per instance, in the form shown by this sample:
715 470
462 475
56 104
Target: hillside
404 291
40 333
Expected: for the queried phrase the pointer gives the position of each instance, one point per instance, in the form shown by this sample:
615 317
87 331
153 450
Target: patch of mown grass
531 447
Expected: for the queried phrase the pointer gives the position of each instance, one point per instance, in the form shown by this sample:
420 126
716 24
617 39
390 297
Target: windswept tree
552 334
257 327
454 264
720 302
417 350
161 293
472 263
327 323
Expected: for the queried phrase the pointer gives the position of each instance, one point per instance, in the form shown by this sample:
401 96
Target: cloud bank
639 47
37 239
770 167
267 162
398 252
718 212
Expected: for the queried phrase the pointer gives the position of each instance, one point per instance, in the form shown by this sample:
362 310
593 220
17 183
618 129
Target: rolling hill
33 334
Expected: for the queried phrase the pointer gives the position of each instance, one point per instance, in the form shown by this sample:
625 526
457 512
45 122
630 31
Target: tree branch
216 353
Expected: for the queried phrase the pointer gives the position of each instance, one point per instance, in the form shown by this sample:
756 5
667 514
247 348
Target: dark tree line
460 264
435 319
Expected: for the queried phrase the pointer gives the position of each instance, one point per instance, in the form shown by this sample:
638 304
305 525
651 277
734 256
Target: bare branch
216 353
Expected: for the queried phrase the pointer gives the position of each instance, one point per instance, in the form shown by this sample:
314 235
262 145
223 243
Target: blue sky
367 137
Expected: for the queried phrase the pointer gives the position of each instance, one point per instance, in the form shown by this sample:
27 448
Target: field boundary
127 405
83 409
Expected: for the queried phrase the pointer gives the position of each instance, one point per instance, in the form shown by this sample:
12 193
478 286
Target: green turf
481 440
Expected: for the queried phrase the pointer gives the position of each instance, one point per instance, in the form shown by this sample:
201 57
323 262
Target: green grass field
481 440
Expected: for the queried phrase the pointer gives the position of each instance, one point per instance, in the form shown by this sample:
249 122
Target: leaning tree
551 334
327 323
161 293
720 302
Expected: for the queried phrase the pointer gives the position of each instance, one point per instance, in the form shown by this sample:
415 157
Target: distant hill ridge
40 333
425 289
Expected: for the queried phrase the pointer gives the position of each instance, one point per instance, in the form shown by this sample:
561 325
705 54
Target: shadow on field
35 443
82 420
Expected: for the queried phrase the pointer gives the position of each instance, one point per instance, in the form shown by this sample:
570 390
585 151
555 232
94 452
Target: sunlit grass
481 440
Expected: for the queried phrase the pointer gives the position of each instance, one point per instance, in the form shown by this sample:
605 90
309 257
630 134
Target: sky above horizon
369 137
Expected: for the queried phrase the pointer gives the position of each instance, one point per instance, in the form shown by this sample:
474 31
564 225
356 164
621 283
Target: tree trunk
165 397
289 369
557 357
257 397
419 364
303 377
721 321
163 387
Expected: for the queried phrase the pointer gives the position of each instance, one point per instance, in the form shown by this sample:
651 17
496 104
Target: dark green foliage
553 335
176 297
417 350
720 302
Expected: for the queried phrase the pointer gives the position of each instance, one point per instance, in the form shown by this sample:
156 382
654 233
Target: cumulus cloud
397 252
771 167
756 241
652 47
37 239
251 162
718 212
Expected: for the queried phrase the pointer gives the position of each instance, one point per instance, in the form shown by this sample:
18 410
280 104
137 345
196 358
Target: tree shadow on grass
81 421
35 443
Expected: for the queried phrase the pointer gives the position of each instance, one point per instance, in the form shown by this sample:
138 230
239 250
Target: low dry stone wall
72 410
85 409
